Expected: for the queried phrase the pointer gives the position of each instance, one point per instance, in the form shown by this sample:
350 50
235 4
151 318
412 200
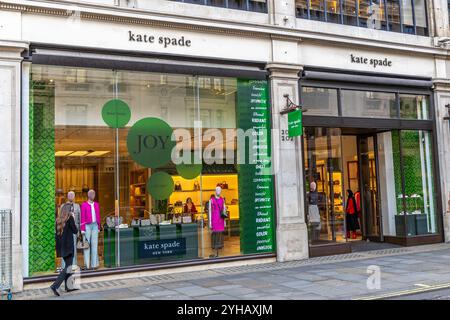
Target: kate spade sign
160 248
163 41
373 62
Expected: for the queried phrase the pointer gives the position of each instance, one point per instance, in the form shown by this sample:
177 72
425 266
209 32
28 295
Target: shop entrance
341 172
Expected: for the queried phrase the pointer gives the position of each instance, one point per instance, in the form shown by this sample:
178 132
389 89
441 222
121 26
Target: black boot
55 291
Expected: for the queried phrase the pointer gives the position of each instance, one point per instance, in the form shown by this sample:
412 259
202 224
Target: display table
126 246
147 233
189 231
151 244
416 224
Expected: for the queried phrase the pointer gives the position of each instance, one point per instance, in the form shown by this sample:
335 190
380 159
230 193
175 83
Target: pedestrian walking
65 229
351 215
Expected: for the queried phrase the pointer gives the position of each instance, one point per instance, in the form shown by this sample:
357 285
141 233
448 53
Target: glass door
371 219
324 181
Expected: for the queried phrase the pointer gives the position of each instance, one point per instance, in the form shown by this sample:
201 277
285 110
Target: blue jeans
91 254
74 260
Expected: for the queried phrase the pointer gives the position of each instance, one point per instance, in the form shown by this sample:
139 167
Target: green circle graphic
150 143
189 170
160 185
116 113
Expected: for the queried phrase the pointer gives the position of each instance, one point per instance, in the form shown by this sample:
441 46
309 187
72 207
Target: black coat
64 242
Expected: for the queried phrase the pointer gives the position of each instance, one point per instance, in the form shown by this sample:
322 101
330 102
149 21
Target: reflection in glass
420 17
320 101
368 104
414 107
407 16
216 3
317 10
333 11
237 4
302 8
365 11
393 11
349 12
258 5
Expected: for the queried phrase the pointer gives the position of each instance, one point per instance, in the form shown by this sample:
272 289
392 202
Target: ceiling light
79 153
97 153
62 153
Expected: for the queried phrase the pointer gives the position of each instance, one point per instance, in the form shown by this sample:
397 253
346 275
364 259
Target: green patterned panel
412 170
42 180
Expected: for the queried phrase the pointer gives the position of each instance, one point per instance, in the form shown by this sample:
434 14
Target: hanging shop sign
295 123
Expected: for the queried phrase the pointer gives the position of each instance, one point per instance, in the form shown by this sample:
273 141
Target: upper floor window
248 5
407 16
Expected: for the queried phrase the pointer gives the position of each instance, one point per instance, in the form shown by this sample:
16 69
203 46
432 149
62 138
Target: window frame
386 15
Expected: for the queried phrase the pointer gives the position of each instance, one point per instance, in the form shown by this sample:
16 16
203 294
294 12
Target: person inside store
64 232
313 211
351 216
90 224
217 212
76 210
189 208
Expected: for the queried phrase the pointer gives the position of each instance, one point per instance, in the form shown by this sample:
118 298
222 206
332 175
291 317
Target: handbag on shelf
135 223
145 222
177 219
113 221
186 219
82 244
178 186
224 185
154 219
196 186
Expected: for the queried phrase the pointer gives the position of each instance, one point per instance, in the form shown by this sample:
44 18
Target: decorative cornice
130 20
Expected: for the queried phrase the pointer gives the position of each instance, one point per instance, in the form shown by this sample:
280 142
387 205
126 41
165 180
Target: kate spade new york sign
163 41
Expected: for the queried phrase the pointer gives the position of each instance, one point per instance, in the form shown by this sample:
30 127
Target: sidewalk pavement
402 271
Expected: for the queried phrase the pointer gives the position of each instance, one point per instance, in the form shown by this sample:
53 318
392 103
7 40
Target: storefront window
320 101
408 200
414 107
368 104
154 148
